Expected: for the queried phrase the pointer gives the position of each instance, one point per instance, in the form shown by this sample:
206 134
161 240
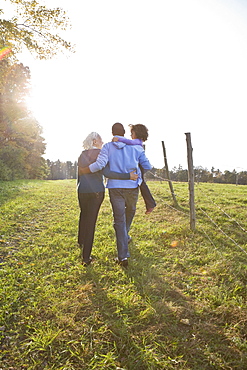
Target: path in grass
180 305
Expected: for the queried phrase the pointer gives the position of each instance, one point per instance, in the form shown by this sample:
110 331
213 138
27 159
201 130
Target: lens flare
4 51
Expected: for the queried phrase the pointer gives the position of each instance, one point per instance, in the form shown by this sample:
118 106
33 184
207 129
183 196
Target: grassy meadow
181 304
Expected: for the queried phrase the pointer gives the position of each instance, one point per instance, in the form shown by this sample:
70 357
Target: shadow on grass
128 352
173 334
198 333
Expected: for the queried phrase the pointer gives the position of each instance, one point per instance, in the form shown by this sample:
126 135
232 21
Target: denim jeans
123 203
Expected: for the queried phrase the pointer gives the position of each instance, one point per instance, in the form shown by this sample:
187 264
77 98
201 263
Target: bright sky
176 66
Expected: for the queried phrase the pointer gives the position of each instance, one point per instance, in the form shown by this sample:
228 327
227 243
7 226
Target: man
123 193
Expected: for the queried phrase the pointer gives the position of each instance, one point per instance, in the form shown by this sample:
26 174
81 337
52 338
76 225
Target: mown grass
181 304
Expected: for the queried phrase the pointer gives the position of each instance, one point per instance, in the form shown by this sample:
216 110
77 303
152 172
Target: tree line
58 170
67 170
200 175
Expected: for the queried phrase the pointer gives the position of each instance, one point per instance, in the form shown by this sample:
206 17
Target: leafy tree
33 26
179 174
230 177
21 143
242 178
202 174
71 170
217 176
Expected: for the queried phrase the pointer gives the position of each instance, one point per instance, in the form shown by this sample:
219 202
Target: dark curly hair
141 131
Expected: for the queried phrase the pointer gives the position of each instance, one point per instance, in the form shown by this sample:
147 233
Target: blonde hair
88 142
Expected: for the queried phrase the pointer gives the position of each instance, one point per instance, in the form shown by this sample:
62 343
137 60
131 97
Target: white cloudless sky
176 66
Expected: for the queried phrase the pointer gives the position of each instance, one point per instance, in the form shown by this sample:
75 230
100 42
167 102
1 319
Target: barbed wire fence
203 216
209 229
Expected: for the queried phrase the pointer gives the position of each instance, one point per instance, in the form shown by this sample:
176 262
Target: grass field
181 304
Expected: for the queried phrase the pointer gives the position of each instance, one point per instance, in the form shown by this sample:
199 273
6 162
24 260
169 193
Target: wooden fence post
168 175
191 182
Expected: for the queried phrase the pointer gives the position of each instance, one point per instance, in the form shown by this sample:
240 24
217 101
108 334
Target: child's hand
115 138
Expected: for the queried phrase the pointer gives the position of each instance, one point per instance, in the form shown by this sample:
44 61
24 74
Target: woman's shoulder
88 156
89 152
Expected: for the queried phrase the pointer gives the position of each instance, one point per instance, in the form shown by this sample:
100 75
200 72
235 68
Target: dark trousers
89 204
146 194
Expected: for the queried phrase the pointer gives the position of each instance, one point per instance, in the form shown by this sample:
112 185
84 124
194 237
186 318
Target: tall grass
181 304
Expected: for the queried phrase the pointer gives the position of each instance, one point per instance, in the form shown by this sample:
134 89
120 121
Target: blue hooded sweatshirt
122 158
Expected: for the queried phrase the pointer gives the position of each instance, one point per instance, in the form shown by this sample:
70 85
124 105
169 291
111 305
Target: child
139 134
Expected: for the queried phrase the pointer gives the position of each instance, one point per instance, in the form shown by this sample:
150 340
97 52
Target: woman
91 192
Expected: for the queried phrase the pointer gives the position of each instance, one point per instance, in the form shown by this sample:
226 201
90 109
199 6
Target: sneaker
124 263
